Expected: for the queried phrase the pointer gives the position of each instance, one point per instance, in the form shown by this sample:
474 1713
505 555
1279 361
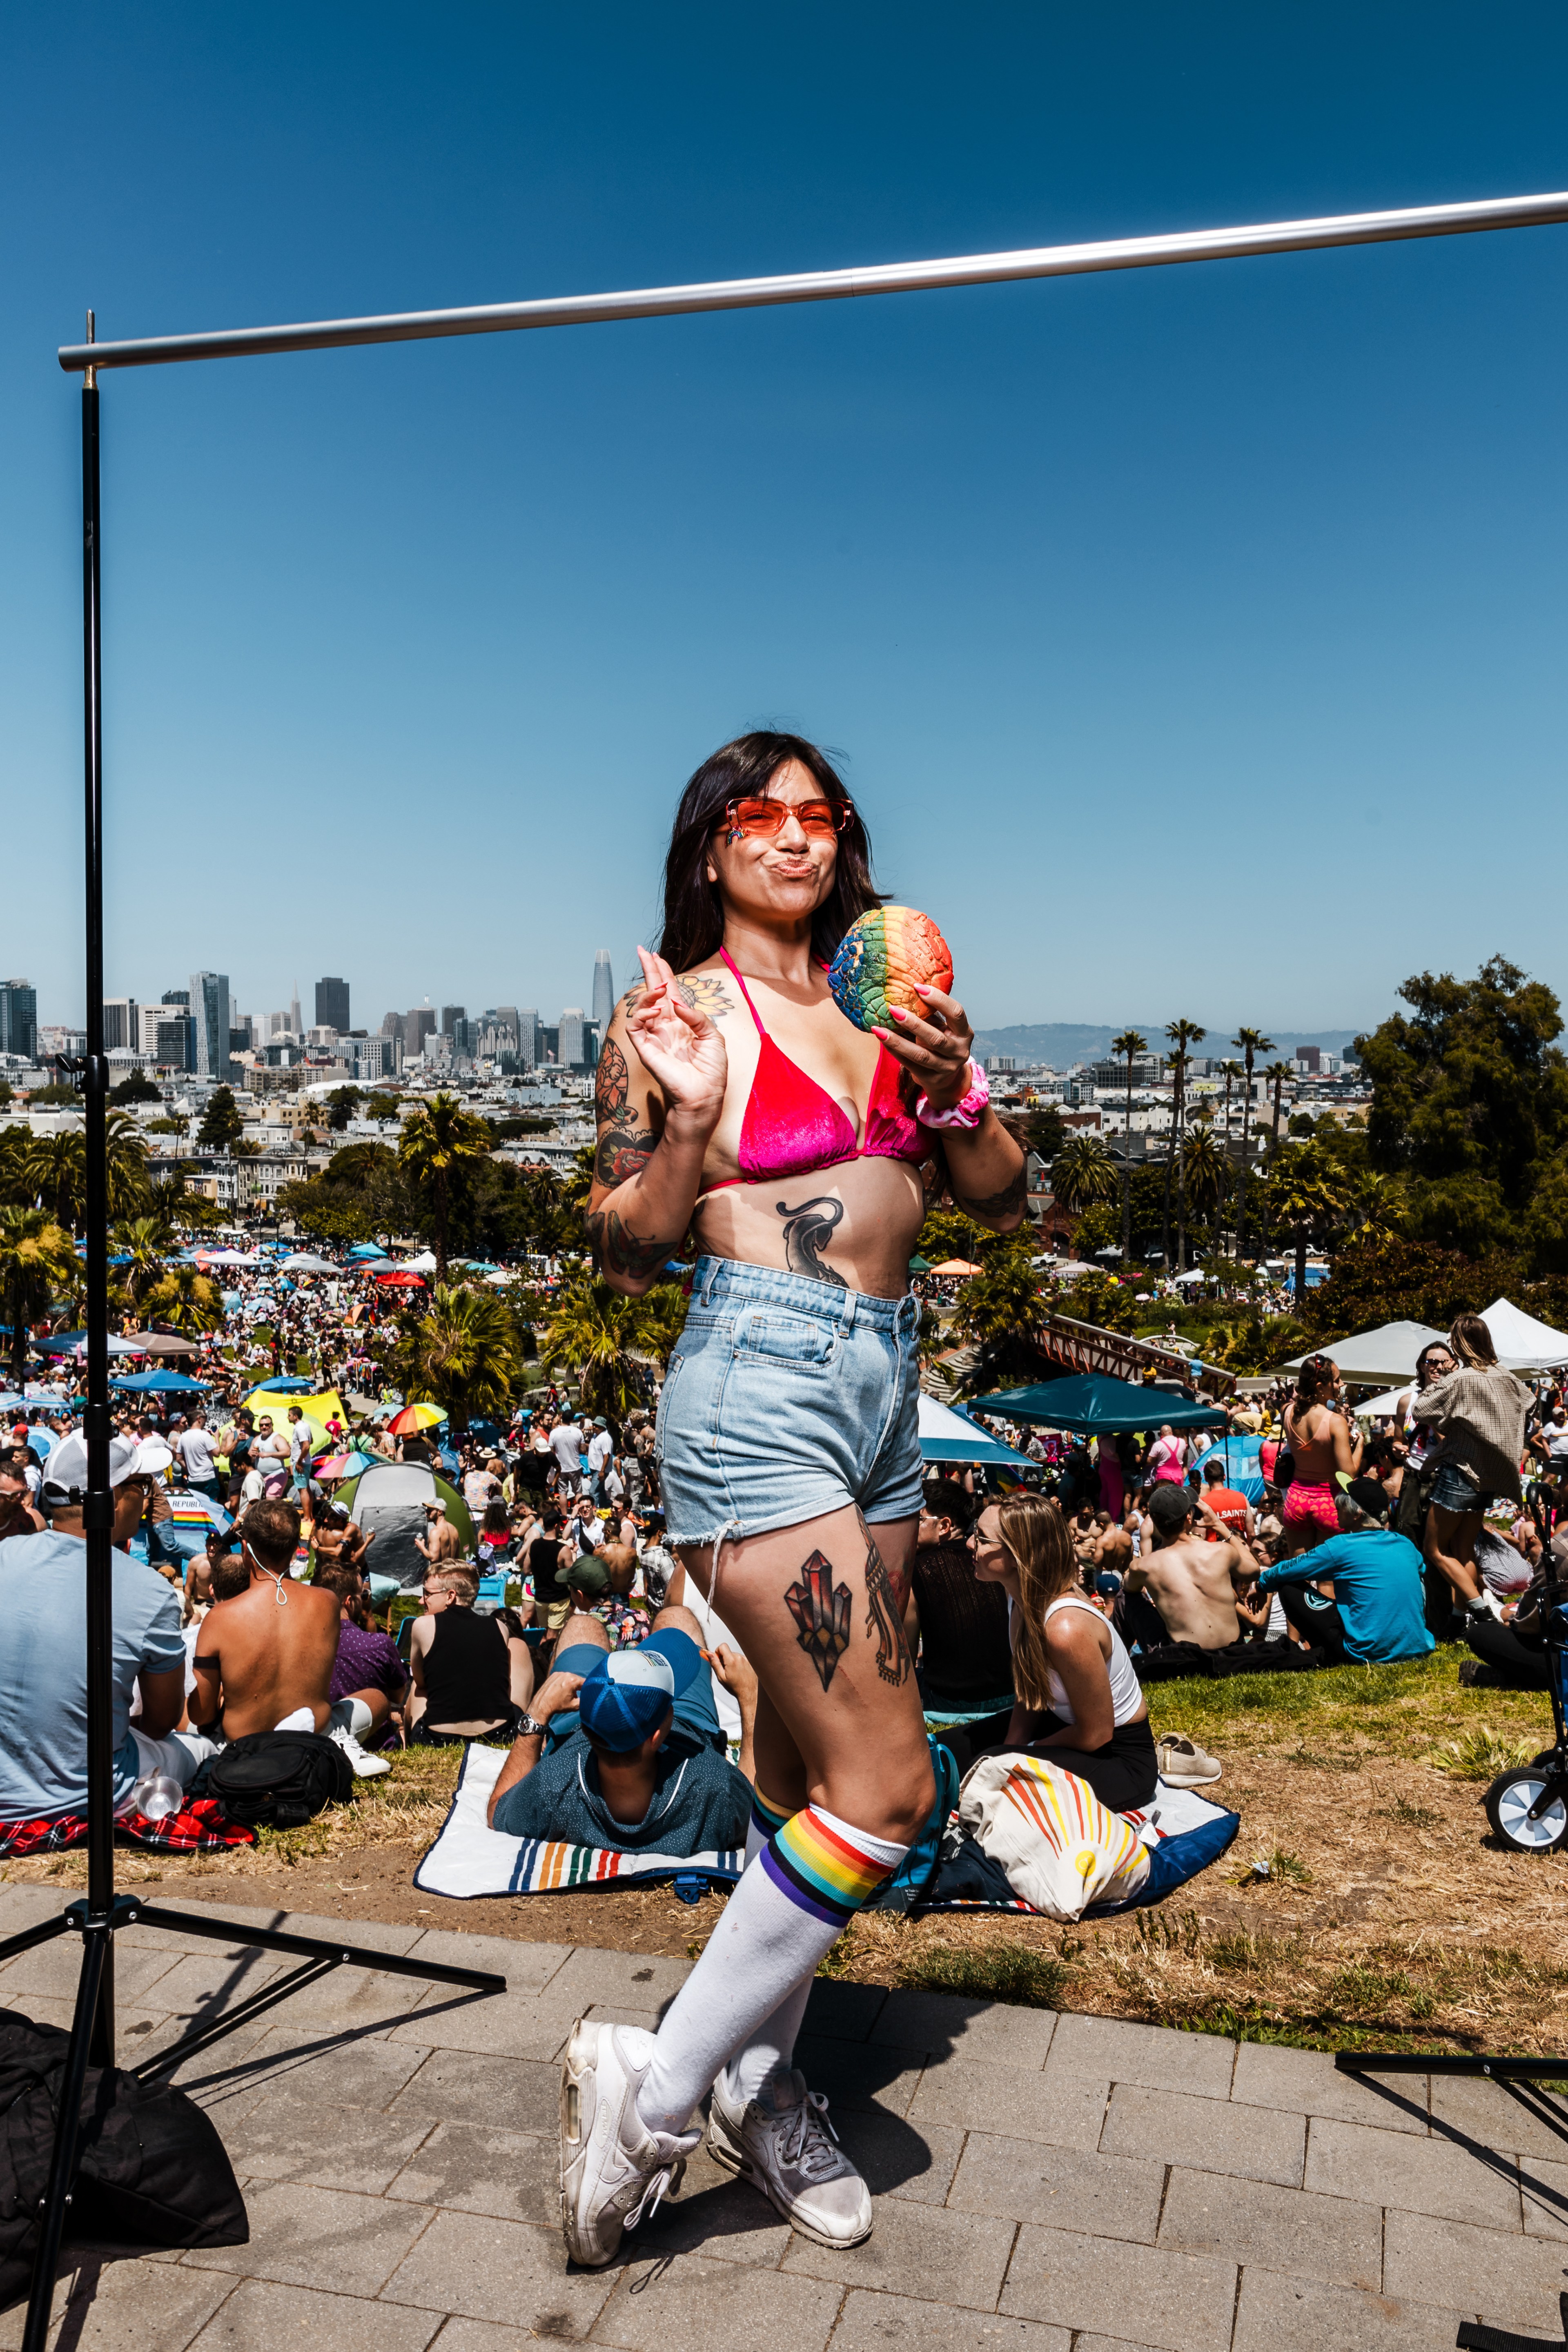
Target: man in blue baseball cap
636 1774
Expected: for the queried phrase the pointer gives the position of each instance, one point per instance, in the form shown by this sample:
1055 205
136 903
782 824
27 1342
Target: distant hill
1062 1043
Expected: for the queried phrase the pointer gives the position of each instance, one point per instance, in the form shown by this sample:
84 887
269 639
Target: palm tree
441 1141
188 1301
599 1334
1252 1043
1184 1035
1082 1174
54 1172
35 1261
1230 1072
461 1354
1309 1192
142 1240
1277 1073
1203 1168
1127 1047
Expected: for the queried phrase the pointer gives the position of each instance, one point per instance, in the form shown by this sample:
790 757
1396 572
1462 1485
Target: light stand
99 1919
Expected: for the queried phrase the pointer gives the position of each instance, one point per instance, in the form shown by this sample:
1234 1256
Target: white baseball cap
65 1482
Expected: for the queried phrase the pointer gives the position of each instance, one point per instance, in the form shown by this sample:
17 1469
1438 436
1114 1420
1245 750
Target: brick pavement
1044 2184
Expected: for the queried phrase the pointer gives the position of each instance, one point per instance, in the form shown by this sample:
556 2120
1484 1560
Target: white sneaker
1485 1604
783 2144
614 2170
365 1766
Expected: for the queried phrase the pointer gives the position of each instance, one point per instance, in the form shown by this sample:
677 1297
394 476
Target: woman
1420 1441
1078 1701
1322 1443
471 1677
1481 1411
735 1100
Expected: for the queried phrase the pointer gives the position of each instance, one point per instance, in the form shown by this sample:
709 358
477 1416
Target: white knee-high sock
773 2043
791 1906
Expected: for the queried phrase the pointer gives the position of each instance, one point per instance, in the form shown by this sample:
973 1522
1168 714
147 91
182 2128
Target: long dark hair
693 911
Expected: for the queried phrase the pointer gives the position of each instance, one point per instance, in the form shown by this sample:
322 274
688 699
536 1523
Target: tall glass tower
604 992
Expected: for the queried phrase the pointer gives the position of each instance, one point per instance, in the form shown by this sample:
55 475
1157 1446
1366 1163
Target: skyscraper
604 991
450 1016
416 1027
294 1022
18 1018
526 1019
571 1046
121 1024
210 1018
332 1005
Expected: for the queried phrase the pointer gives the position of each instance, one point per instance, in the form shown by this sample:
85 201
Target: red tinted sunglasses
766 817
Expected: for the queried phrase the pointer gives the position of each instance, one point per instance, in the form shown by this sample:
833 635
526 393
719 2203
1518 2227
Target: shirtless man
440 1542
1192 1583
263 1660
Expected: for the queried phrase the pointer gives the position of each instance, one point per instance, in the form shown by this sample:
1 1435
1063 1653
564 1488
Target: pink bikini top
792 1126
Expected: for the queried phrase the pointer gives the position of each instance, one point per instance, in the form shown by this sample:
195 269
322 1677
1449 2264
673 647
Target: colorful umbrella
414 1418
404 1280
343 1465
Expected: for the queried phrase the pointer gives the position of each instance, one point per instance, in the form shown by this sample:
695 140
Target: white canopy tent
1522 1343
1384 1356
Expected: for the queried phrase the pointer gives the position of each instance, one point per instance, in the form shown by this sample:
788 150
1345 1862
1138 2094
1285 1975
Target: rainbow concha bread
881 956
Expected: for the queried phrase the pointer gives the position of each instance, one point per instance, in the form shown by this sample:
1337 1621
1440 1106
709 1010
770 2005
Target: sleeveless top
792 1126
1126 1694
467 1673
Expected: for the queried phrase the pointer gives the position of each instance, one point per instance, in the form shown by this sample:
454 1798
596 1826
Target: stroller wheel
1509 1803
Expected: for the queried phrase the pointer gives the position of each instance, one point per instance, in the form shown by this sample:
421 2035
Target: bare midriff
854 1225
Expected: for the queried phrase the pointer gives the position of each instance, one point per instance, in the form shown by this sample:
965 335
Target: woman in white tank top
1077 1699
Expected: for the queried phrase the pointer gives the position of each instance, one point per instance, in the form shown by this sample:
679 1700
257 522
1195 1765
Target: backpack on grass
280 1780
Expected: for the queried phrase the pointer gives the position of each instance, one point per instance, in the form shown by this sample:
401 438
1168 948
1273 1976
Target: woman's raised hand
678 1046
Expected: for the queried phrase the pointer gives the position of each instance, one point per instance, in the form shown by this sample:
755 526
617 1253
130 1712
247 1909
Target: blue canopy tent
1099 1405
1238 1457
950 1436
172 1383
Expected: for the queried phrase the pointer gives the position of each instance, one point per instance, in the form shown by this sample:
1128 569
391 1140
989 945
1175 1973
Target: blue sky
1193 637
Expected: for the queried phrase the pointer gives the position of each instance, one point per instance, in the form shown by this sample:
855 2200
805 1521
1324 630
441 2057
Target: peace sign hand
680 1047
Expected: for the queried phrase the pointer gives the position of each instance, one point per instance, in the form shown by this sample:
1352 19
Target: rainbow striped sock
826 1867
768 1819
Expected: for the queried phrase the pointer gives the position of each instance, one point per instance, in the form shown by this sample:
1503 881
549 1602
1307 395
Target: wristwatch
529 1730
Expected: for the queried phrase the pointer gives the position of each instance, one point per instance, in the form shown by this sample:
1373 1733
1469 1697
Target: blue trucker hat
631 1692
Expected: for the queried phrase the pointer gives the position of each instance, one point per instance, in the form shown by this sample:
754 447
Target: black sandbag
152 2170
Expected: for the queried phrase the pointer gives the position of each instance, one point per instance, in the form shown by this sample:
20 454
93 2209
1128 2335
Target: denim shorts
784 1399
1453 1489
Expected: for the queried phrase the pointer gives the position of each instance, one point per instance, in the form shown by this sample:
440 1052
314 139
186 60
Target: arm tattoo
617 1246
821 1611
807 1228
995 1204
882 1618
611 1085
624 1148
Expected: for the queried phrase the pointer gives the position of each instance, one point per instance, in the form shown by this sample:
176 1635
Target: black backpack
279 1779
154 2171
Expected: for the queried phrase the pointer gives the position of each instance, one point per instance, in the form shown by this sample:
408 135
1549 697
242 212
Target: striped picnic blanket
469 1859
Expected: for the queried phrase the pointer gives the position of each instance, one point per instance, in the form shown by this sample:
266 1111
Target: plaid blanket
199 1827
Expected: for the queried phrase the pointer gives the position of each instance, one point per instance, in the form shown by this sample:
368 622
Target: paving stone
711 2306
934 2253
23 1906
1331 2239
1063 2110
510 2025
1516 2124
261 2315
1109 2049
1106 2195
371 1935
1286 2314
509 2272
854 2074
475 2168
137 2025
353 1997
203 1984
285 2137
51 1971
1210 2134
634 1979
461 2087
106 2305
1507 2281
1417 2176
1174 2302
1306 2082
363 2070
843 2013
895 2159
1545 2190
874 2323
716 2216
481 2336
527 1967
318 2238
987 2032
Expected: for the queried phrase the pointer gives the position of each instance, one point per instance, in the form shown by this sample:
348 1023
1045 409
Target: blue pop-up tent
1099 1405
172 1383
948 1436
1239 1457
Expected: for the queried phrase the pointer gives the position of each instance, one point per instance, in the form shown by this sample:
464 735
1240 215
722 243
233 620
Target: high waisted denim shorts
787 1398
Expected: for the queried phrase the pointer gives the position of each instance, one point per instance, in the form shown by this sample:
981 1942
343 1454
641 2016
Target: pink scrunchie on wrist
965 1113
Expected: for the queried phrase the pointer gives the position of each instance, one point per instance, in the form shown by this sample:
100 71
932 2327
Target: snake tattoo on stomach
806 1229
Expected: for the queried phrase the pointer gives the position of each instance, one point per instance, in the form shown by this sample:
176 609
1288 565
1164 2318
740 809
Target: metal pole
92 1991
835 285
97 1512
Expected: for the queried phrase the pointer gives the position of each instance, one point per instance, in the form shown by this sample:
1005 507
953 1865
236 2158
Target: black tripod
97 1919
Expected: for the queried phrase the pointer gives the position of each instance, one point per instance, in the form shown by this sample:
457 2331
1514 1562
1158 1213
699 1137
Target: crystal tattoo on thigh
821 1611
882 1618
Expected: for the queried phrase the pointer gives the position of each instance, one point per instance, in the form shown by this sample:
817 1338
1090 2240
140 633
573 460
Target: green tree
1099 1299
600 1335
53 1172
188 1301
1203 1170
36 1264
143 1240
1000 1311
1277 1075
221 1124
948 1233
1252 1043
1469 1102
1255 1342
462 1354
382 1109
438 1147
342 1102
133 1087
1309 1195
1083 1173
1184 1035
1127 1048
